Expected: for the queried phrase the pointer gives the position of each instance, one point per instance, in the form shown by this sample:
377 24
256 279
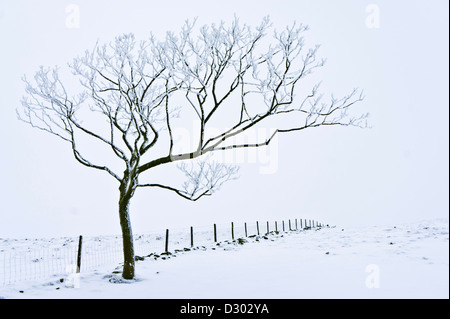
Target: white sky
394 172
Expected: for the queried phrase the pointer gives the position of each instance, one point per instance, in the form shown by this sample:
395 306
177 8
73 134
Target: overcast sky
396 171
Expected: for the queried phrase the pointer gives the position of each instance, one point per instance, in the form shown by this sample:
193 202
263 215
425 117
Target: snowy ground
397 261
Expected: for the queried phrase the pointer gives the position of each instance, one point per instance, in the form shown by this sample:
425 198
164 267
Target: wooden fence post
245 226
215 233
167 240
80 241
268 231
283 225
276 227
192 237
290 225
257 227
296 228
232 231
301 224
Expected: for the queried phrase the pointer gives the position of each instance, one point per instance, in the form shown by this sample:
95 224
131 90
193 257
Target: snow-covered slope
397 261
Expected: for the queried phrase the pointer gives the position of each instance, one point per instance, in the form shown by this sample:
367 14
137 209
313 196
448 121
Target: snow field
33 259
402 261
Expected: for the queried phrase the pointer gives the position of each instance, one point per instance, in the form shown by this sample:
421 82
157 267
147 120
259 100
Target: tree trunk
126 193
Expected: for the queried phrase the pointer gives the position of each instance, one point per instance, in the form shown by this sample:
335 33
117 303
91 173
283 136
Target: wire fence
36 259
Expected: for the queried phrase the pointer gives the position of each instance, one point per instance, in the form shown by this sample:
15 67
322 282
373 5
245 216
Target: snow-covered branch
203 177
135 90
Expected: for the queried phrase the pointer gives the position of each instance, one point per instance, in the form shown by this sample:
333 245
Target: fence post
283 225
245 226
296 228
192 237
290 225
276 227
257 227
215 233
301 224
167 240
232 231
80 241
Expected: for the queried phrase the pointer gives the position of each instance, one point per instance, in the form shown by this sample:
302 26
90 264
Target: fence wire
24 260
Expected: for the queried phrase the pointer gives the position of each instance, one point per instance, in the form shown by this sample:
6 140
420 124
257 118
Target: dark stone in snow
241 241
137 258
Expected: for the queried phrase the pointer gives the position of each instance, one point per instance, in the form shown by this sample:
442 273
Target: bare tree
130 94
